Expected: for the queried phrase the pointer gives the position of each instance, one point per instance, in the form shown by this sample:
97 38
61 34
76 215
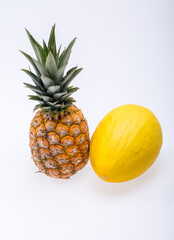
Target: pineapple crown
51 85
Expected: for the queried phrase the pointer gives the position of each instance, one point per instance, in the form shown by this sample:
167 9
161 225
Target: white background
126 50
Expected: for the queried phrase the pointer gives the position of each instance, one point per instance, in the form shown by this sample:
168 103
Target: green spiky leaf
30 59
47 99
64 84
35 98
53 89
50 65
68 75
45 48
34 88
35 79
60 58
58 55
57 96
72 89
66 55
52 42
41 68
39 51
47 82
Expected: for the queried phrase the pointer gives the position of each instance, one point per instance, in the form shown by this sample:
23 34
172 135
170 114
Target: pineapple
59 135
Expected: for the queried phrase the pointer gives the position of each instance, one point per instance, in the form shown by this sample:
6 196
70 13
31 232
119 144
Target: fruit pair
125 144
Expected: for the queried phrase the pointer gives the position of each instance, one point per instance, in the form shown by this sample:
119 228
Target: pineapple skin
59 143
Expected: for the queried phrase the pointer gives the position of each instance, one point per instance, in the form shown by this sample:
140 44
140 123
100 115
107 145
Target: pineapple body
59 135
59 142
